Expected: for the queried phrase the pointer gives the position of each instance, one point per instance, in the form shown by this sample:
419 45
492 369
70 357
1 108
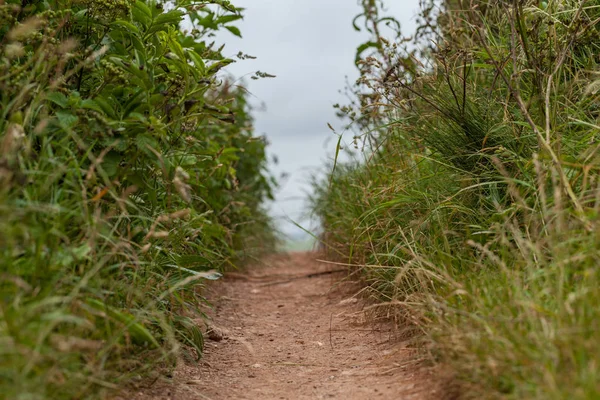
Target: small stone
214 333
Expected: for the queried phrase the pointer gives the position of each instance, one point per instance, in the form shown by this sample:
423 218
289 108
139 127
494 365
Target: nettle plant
128 173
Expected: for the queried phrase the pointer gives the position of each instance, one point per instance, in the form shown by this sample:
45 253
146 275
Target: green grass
475 210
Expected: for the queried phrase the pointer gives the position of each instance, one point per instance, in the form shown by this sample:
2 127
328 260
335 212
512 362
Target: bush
129 175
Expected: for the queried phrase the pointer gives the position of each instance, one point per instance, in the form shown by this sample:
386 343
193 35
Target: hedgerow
129 175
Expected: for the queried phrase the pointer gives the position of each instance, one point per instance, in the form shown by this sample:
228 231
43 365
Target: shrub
129 175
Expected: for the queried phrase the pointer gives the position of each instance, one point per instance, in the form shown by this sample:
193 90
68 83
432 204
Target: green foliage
129 175
476 207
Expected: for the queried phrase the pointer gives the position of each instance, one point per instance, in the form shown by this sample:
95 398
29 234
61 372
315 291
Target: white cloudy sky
310 46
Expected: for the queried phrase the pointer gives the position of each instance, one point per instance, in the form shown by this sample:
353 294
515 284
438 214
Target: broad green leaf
92 105
110 163
163 21
58 99
128 26
143 141
142 13
66 120
106 105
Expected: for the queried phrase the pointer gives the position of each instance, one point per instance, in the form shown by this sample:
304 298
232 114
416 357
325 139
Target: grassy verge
475 208
129 175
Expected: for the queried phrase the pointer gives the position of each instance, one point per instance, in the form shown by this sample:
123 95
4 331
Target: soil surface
292 329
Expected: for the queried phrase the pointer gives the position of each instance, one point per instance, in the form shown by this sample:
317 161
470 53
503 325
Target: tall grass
129 176
475 212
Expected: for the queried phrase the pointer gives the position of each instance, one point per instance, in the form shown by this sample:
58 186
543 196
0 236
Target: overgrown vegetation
129 174
475 207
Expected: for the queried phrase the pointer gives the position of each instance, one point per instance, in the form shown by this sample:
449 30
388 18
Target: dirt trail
288 335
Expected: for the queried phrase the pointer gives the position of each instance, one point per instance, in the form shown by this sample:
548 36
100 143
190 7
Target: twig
330 322
311 275
561 60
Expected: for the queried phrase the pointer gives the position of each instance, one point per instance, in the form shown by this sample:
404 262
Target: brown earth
292 329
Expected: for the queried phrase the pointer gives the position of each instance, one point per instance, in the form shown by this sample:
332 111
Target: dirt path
288 335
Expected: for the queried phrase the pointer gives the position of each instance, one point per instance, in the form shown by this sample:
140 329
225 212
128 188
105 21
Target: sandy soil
282 332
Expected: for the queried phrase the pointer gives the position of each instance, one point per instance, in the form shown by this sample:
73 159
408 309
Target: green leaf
106 105
198 61
66 120
92 105
176 48
110 163
235 30
140 50
187 161
365 46
225 19
355 24
133 102
163 21
213 69
128 26
58 99
142 13
143 141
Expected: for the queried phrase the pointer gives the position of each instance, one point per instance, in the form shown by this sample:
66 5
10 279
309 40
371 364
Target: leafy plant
129 175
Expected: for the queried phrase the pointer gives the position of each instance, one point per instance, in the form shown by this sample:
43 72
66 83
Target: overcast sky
310 46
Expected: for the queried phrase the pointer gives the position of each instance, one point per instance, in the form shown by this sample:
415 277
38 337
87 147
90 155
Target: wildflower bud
14 50
180 214
24 30
67 46
160 234
13 139
184 190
